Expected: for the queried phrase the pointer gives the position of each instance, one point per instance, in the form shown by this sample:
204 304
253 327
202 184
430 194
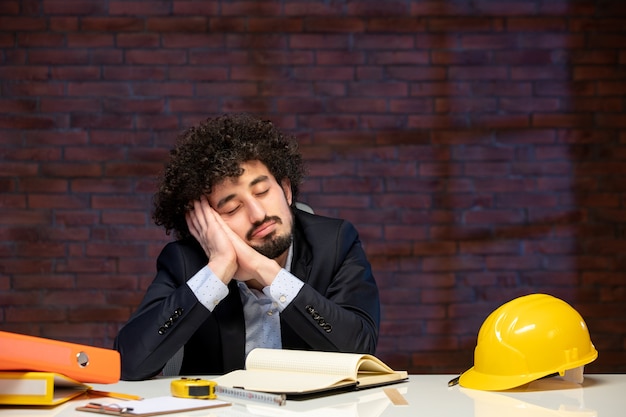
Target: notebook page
316 362
280 381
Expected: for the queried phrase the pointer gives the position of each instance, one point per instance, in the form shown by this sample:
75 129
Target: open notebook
300 373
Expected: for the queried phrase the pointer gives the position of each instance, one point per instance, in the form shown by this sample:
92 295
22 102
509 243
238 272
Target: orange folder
82 363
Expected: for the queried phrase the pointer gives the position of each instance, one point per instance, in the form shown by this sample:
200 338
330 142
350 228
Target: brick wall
478 146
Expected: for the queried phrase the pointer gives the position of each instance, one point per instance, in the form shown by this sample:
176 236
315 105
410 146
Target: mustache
258 224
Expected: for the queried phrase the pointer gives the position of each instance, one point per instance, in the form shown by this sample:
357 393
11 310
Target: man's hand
203 224
252 266
229 255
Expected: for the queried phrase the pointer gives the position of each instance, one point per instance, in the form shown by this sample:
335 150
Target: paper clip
109 408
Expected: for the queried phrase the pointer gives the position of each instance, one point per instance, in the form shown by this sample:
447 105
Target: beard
273 245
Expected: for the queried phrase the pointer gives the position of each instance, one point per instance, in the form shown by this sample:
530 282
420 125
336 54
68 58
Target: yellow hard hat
525 339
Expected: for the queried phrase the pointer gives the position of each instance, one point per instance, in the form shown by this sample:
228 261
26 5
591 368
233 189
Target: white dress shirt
261 309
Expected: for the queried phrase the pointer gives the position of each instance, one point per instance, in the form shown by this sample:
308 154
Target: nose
256 211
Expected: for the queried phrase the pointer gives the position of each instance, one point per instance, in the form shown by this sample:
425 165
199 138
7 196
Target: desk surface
427 395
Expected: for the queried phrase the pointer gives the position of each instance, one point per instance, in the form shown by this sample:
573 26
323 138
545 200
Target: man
248 269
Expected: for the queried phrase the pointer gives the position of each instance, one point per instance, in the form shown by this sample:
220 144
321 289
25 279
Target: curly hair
213 151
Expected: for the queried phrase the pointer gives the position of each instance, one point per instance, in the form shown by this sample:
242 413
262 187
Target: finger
192 217
199 215
238 243
191 224
221 223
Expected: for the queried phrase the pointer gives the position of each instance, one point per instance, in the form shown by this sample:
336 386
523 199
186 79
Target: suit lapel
301 262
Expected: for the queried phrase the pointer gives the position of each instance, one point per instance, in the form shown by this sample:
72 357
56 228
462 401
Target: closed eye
233 211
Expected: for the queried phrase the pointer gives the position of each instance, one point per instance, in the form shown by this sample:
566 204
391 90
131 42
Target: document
152 406
299 372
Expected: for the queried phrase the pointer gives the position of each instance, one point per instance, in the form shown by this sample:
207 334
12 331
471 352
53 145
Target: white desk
428 396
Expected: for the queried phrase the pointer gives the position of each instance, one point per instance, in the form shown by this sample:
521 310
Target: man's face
256 207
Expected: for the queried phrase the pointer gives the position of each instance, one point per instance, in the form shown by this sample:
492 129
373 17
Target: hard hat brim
476 380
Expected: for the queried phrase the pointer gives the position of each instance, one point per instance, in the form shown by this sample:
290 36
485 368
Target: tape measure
193 388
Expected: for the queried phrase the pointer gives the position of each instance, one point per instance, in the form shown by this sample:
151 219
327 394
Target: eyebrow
229 197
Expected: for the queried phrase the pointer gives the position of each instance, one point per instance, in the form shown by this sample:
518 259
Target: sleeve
338 308
208 288
167 317
284 289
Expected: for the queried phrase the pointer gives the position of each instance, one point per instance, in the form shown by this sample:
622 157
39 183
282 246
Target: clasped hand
229 255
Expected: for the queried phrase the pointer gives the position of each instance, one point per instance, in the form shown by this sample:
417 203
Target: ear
286 186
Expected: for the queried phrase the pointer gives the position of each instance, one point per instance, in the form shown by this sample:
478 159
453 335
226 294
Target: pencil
118 395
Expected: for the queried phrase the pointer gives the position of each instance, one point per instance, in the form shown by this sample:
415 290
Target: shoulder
324 245
182 247
322 230
185 256
310 220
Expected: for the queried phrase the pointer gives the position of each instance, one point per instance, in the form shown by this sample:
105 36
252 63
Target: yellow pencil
117 395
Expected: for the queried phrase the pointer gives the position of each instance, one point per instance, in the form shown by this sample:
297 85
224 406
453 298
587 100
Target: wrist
224 270
267 272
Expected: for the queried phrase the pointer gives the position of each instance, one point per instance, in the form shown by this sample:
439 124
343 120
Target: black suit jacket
336 310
